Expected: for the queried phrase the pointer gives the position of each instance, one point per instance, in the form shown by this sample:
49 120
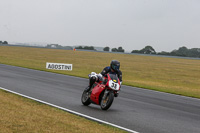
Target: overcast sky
164 24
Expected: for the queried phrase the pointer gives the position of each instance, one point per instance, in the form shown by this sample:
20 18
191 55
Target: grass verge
18 114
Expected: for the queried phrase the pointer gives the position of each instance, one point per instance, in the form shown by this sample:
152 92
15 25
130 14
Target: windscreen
114 77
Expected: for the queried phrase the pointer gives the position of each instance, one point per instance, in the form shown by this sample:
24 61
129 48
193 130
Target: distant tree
5 42
145 50
135 51
148 50
1 42
79 47
194 52
173 53
114 50
86 47
106 49
184 51
120 49
163 53
89 47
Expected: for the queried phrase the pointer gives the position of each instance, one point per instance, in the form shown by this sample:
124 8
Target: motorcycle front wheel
85 99
107 101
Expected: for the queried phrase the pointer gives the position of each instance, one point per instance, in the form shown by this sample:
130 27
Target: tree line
86 48
119 49
182 51
146 50
4 42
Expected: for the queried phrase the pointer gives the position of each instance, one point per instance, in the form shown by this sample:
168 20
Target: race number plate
113 85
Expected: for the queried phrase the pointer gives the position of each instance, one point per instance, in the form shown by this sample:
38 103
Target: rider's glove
120 84
93 74
99 76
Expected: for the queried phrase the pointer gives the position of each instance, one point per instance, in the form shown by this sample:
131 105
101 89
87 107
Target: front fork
105 94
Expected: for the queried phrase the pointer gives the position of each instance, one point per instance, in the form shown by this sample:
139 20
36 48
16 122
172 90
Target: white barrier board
59 66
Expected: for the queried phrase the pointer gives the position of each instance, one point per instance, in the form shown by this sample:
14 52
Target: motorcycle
102 93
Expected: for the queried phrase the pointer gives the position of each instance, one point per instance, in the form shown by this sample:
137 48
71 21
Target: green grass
21 115
173 75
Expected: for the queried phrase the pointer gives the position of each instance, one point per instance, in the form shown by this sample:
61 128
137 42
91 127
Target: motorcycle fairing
96 93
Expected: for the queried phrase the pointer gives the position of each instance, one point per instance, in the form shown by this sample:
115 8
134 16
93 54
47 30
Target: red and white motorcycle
102 93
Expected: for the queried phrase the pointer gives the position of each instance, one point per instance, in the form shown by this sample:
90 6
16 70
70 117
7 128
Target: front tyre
107 101
85 99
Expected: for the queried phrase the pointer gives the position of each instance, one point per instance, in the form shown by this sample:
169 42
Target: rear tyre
107 101
85 99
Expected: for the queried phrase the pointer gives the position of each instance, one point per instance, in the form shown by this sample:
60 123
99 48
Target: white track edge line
70 111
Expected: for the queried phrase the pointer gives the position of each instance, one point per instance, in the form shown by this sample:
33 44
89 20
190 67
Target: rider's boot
87 89
92 81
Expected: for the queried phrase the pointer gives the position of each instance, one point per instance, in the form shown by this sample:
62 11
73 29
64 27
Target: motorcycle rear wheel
107 102
85 99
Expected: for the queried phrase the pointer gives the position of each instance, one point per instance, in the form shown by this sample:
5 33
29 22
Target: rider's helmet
115 65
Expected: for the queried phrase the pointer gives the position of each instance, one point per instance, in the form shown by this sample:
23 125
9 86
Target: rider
112 69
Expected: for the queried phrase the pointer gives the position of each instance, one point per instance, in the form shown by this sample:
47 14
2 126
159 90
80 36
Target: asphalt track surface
141 110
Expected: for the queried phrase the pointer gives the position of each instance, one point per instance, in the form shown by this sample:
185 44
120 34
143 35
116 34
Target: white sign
59 66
